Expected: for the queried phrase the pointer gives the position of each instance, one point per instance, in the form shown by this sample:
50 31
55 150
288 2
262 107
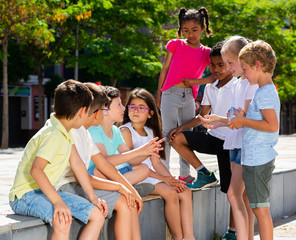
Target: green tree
58 41
16 16
271 21
125 40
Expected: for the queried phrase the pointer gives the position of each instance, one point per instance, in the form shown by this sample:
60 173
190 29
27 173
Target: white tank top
138 141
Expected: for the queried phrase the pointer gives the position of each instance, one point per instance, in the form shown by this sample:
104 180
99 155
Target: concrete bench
210 214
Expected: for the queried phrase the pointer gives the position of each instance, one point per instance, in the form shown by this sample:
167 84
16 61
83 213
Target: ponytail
181 15
204 12
201 16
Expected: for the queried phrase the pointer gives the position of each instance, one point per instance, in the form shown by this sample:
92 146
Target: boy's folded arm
37 172
268 124
81 175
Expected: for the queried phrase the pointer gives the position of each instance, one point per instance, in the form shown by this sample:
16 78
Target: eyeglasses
140 109
103 109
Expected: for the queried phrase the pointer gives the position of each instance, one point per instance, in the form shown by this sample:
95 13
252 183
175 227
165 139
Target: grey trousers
177 107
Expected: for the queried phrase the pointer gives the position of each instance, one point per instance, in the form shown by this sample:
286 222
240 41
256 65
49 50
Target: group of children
80 164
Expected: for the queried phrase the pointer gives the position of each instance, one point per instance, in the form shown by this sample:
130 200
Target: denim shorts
122 170
125 169
110 197
235 155
91 171
257 180
36 204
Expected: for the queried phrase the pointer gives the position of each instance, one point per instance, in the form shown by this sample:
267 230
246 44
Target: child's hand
209 118
190 82
241 112
173 181
174 133
101 205
153 147
62 213
238 121
181 188
139 203
129 196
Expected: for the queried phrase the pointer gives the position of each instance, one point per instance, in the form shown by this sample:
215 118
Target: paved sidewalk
285 228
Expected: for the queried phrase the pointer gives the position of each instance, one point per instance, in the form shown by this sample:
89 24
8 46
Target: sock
203 169
231 230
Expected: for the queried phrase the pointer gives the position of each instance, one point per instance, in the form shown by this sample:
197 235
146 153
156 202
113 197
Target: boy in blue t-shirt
261 130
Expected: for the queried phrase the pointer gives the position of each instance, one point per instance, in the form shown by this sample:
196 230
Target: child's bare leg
235 198
123 220
61 231
180 144
171 208
136 232
186 213
251 216
264 222
138 173
93 227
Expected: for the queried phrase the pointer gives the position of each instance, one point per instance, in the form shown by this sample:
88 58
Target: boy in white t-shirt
118 194
217 99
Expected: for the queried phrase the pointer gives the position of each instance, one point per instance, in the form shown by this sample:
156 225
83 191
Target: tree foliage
125 40
15 19
271 21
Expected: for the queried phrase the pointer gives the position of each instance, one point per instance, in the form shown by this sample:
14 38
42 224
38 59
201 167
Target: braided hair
200 16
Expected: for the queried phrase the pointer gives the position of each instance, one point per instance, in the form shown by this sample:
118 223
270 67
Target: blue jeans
36 204
177 107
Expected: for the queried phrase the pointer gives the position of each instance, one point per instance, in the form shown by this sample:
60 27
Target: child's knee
96 216
261 211
230 195
145 169
61 229
185 195
121 205
171 195
178 139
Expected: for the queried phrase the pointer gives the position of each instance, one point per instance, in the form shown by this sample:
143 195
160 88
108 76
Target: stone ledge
210 214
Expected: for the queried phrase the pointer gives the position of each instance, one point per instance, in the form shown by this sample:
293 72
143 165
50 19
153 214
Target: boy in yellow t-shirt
44 160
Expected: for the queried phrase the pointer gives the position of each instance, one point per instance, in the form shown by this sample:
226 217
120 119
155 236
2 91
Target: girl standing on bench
141 124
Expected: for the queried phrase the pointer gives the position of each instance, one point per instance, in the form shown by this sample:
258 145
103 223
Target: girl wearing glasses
141 123
111 145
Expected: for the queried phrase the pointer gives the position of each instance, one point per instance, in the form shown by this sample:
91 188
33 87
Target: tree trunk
76 54
290 118
40 95
113 82
5 126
